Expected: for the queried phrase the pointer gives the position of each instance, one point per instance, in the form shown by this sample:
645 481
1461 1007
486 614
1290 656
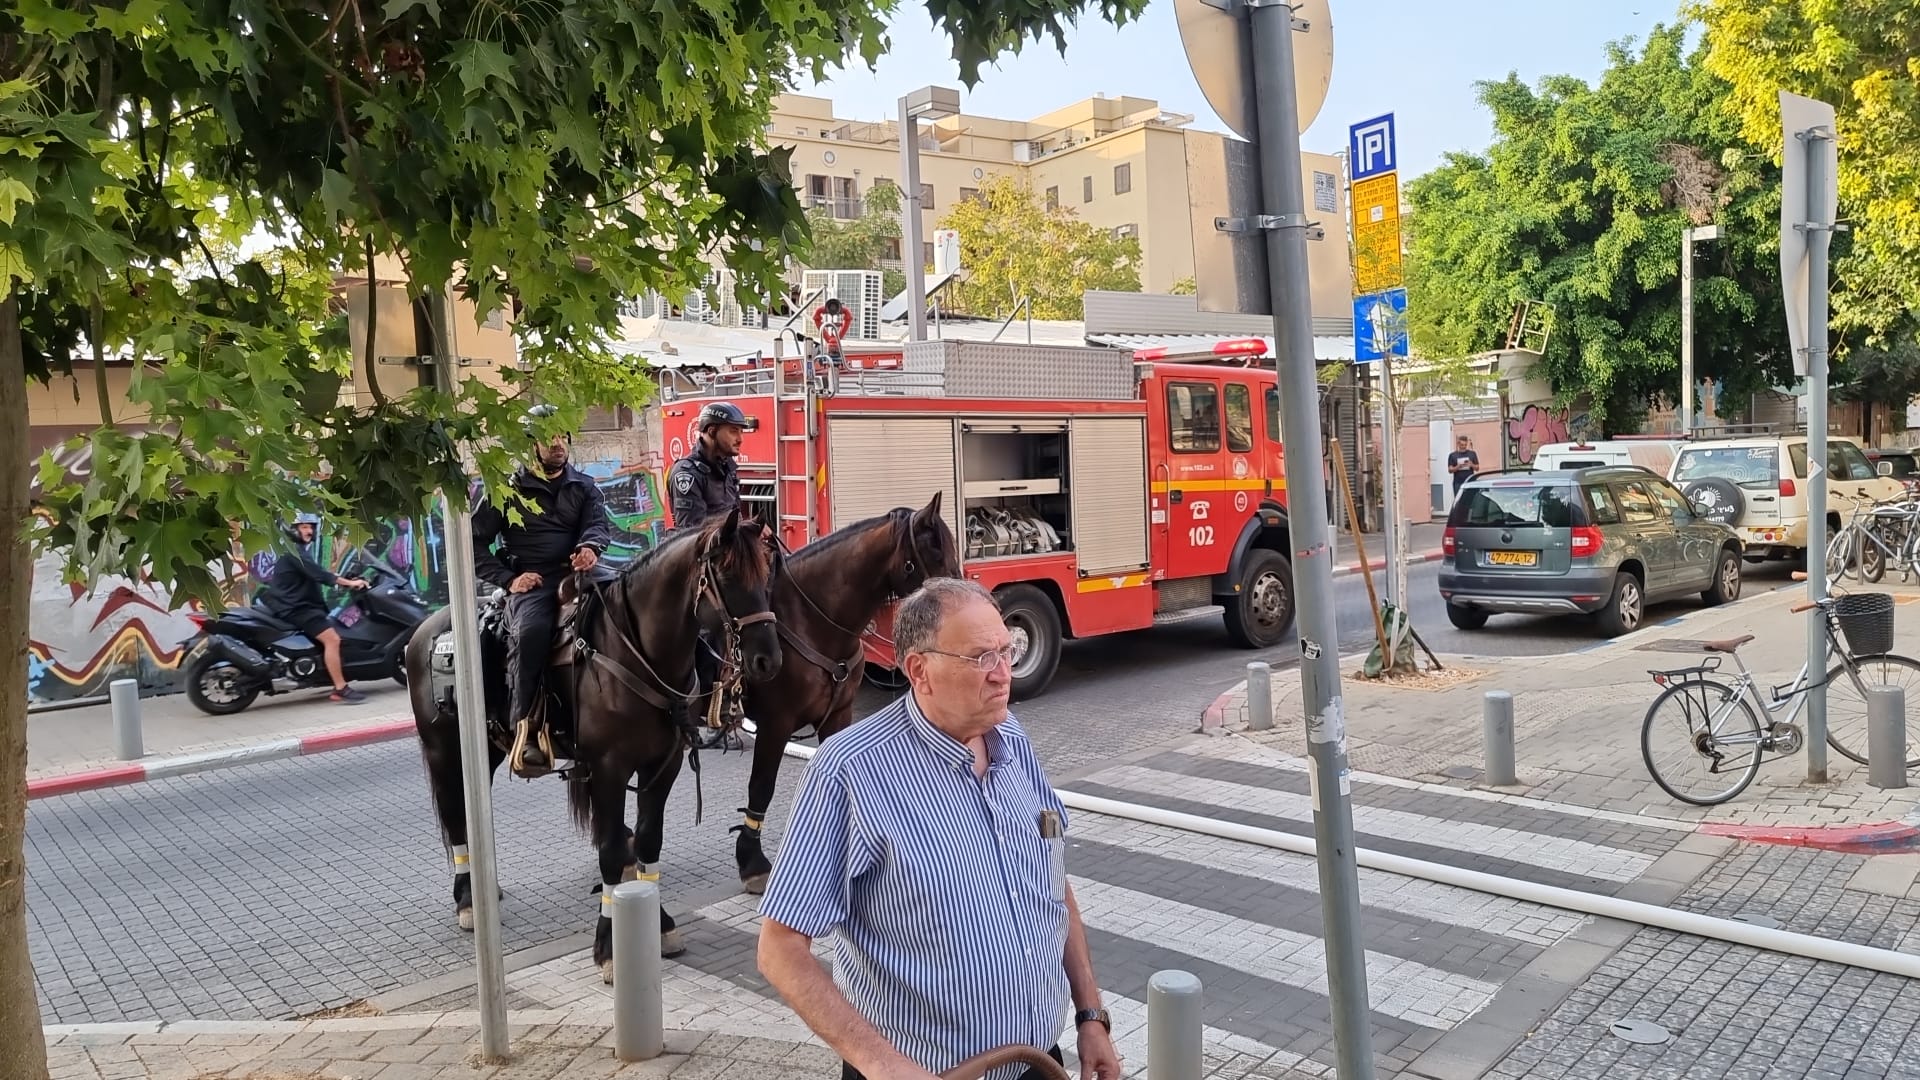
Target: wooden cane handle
980 1065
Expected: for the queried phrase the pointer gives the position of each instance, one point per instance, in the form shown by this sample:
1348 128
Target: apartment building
1116 162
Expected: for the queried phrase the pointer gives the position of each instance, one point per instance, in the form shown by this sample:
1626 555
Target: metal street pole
475 770
1272 27
1819 236
910 227
1686 332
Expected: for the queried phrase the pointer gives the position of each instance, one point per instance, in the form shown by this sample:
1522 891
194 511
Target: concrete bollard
638 1014
1259 696
1496 726
1887 736
125 695
1173 1026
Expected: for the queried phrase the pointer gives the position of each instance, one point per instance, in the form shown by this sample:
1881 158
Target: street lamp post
1687 237
932 103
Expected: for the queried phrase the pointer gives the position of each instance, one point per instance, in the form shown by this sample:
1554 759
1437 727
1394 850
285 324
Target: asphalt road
277 889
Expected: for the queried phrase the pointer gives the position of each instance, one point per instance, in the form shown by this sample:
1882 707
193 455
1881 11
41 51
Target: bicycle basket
1867 621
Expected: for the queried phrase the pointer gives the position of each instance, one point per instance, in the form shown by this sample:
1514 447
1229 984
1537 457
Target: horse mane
747 559
845 535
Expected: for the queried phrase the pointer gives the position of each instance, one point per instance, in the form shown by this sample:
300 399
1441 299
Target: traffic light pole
1282 194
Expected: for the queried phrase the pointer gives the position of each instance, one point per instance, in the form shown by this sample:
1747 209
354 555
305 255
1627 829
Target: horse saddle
563 633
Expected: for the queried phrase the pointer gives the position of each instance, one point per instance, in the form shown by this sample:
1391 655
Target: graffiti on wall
1538 426
81 639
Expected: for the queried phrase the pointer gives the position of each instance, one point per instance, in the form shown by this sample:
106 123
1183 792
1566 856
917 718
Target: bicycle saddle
1726 644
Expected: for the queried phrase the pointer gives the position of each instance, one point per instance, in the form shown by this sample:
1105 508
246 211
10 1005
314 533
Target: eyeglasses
986 661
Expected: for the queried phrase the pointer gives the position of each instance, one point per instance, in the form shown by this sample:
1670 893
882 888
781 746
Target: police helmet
725 412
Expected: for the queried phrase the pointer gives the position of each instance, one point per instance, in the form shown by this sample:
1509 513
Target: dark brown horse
634 687
827 594
632 659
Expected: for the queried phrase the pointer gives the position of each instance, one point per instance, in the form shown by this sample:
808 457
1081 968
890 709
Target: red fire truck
1095 490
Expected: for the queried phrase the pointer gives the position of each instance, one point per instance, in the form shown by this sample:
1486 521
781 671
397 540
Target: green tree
1013 247
1580 202
552 157
1859 57
861 243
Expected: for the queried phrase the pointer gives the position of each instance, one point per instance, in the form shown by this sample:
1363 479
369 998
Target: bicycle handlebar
981 1064
1808 606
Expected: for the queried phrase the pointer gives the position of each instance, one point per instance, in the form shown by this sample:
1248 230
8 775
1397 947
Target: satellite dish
1219 49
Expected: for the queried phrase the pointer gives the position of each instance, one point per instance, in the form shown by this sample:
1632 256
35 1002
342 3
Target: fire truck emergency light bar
1245 347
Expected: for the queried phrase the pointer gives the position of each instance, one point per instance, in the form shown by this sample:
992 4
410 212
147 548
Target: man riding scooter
293 596
564 526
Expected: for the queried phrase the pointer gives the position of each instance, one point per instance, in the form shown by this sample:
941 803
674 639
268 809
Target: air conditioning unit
857 290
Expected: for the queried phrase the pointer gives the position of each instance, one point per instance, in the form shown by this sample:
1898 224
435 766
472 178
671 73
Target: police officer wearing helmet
705 485
564 526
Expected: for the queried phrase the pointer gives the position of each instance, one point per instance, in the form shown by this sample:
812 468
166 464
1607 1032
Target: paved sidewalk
544 1044
62 741
1577 720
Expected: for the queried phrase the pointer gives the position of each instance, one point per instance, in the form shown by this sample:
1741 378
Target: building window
891 249
1239 419
1053 198
1121 232
926 196
1086 189
968 194
1193 417
496 319
1123 178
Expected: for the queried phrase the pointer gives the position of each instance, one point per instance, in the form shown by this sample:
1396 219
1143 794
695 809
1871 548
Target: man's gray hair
916 622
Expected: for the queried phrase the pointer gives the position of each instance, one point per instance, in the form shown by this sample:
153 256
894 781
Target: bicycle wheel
1840 553
1847 703
1871 559
1686 756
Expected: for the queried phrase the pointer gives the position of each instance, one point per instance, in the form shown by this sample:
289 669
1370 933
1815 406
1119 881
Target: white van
1654 455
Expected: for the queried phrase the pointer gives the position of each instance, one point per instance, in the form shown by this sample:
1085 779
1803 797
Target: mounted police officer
564 526
704 485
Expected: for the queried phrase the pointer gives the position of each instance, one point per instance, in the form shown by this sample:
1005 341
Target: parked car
1603 541
1758 485
1897 462
1654 455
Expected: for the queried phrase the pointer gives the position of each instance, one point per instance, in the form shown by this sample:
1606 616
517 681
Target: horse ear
929 511
731 524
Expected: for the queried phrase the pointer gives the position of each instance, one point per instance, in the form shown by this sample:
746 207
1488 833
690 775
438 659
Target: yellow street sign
1375 204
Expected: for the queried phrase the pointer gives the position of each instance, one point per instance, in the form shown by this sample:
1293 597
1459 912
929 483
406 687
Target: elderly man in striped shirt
927 839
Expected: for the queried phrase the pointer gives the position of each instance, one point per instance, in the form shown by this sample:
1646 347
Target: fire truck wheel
1035 628
1259 615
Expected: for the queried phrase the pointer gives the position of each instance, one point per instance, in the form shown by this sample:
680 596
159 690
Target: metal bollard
1887 736
1259 696
638 1013
1173 1026
1496 726
125 695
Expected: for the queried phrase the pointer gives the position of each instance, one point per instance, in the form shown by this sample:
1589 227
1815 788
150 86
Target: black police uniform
568 513
702 488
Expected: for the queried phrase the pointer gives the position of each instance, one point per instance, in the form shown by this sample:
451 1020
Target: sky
1417 59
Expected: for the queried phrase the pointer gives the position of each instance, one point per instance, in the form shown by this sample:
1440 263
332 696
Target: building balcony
846 209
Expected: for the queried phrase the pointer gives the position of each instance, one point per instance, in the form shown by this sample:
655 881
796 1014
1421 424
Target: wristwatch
1085 1015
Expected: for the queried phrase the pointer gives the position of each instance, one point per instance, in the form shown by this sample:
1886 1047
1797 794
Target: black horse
618 703
827 594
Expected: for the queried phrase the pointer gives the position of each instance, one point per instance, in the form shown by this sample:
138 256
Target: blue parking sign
1370 148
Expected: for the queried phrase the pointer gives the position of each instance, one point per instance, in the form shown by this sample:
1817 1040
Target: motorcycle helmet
725 412
305 517
538 412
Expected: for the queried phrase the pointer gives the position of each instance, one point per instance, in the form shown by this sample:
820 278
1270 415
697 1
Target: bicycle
1876 534
1717 722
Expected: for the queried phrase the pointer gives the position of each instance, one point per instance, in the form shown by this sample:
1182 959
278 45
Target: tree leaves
1580 202
1013 248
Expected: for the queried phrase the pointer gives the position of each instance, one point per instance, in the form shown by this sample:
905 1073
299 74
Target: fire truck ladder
806 436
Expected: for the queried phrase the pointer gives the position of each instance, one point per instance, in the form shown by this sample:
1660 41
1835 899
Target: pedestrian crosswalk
1245 919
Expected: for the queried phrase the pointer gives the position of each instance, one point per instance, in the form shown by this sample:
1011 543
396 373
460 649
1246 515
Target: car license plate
1513 558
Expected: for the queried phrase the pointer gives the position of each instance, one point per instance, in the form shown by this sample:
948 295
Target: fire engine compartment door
1108 460
875 463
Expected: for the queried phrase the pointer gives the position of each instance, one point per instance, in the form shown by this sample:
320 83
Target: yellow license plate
1513 558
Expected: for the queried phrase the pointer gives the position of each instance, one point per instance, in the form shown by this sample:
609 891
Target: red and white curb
135 772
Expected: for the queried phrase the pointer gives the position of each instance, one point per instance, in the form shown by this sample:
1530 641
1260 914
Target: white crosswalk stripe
1529 848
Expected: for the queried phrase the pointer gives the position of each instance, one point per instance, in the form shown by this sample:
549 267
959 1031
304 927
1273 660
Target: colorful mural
81 640
1538 426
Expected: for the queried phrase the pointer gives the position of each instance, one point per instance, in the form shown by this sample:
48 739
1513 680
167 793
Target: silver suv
1602 541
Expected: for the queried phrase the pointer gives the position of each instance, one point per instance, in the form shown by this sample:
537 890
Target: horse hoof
466 918
755 883
606 972
670 945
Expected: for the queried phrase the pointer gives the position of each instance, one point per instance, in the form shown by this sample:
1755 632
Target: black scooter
245 652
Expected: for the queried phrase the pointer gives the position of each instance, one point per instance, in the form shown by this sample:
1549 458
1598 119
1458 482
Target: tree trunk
23 1050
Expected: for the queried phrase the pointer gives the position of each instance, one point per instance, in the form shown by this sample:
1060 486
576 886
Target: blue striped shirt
949 936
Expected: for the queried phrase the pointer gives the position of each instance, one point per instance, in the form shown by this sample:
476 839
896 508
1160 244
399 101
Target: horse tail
580 804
